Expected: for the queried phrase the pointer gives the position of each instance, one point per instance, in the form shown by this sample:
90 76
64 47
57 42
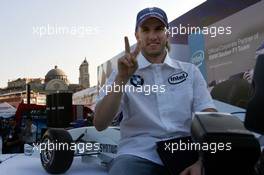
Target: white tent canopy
7 110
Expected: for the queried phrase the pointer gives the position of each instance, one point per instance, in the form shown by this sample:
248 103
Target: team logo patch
136 80
178 78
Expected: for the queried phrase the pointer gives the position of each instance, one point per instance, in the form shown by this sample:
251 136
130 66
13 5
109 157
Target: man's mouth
153 44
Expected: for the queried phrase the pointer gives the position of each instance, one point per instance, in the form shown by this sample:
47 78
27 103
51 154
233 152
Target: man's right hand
107 108
127 65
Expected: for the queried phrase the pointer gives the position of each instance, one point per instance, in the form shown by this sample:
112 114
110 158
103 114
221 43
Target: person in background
29 131
248 75
12 142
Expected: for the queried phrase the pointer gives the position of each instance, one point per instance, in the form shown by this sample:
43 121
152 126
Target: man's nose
153 35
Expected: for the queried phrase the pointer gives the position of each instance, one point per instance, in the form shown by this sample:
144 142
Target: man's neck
156 59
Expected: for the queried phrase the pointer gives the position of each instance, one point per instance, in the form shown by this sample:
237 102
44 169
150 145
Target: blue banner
196 45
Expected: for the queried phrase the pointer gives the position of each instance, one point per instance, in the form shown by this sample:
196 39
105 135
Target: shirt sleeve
103 91
201 96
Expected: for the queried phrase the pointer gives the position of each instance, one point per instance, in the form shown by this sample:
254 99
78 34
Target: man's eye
160 29
144 30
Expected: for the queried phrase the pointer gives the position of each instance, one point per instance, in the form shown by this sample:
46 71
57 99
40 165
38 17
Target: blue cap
152 12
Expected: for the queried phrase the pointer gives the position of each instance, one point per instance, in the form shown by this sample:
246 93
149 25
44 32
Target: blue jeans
133 165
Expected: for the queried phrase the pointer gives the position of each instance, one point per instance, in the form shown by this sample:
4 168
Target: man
12 139
29 131
178 89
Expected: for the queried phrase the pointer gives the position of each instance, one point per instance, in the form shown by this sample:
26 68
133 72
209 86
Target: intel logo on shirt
178 78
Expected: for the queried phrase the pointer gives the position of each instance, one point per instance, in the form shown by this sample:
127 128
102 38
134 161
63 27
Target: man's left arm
202 100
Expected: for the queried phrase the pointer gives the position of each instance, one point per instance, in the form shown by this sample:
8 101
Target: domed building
56 73
55 81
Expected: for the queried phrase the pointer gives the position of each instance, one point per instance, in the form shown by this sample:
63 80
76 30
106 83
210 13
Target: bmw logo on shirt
136 80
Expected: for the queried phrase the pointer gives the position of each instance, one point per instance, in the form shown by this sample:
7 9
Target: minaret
84 74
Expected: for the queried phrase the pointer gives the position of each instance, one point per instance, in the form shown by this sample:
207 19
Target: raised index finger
127 46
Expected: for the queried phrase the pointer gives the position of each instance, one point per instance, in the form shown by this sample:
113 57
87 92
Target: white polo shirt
147 117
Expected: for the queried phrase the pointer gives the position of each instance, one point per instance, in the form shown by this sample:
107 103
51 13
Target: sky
36 35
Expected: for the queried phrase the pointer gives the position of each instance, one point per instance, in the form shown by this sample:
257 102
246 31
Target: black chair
245 157
235 91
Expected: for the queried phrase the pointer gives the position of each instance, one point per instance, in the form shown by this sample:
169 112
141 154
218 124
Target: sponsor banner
196 44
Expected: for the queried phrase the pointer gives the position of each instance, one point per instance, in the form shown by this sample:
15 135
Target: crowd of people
14 136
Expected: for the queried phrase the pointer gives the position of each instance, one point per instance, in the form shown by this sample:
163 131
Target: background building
84 79
86 97
55 80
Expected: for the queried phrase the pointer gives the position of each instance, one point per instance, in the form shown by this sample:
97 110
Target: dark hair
168 46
